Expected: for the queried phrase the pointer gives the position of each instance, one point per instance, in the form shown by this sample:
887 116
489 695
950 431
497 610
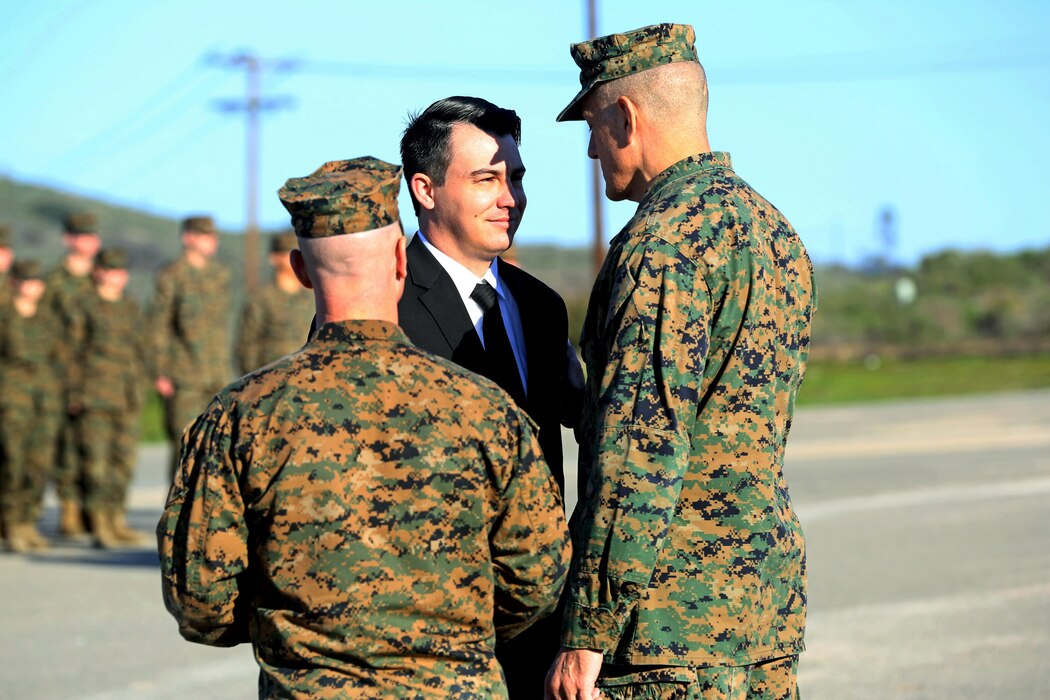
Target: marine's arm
530 538
202 537
647 397
160 330
248 336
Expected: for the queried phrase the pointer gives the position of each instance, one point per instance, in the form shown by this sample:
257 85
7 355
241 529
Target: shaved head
359 275
672 95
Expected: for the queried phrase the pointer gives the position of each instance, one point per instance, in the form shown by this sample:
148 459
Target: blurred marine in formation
688 575
273 319
29 405
369 516
68 287
7 256
190 337
113 358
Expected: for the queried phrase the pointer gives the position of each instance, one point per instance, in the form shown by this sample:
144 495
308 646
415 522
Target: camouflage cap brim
617 55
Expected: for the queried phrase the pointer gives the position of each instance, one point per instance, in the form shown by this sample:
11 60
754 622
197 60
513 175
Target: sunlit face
83 244
481 201
604 145
204 244
30 289
115 279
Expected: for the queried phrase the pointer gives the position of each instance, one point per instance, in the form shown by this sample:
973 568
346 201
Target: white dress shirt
465 281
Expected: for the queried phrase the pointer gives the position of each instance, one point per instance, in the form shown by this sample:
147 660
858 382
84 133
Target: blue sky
834 111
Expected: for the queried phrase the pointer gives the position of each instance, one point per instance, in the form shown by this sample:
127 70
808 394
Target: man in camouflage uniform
68 285
273 320
6 257
370 516
190 328
113 357
688 574
29 403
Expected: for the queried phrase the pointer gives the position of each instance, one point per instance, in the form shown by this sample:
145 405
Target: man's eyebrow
485 171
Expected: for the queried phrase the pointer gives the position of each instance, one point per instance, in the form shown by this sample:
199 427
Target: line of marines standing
77 355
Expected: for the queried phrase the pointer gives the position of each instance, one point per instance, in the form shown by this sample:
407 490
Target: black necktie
502 368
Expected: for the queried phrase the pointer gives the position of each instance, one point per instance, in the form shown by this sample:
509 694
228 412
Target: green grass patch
846 382
840 382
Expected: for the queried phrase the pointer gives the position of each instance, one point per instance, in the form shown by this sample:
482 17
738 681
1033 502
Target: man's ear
402 259
295 257
423 190
626 119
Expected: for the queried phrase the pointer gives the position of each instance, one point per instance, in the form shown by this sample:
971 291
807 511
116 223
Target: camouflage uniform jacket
5 291
64 300
27 361
687 549
371 517
190 324
272 326
113 355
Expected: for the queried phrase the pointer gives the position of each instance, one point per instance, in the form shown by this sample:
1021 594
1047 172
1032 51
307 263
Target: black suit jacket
432 314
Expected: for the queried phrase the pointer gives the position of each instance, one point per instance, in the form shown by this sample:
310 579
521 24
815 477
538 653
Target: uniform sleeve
248 335
202 537
161 320
529 537
644 399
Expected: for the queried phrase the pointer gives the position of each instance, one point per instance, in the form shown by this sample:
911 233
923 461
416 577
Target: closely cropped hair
425 143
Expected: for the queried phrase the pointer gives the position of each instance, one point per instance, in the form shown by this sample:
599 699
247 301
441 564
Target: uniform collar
714 160
352 331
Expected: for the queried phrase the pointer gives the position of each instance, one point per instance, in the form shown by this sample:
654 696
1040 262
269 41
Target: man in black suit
464 173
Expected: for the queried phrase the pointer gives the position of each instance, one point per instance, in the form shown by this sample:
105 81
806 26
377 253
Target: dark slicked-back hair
425 143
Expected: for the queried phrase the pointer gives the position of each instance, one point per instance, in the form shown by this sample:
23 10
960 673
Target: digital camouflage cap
27 270
112 259
284 242
617 55
80 223
343 196
198 224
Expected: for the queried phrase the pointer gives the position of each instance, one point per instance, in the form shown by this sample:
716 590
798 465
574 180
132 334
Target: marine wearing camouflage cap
198 224
112 259
81 223
27 270
343 196
617 55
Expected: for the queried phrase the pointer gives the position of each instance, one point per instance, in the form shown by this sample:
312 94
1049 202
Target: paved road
929 547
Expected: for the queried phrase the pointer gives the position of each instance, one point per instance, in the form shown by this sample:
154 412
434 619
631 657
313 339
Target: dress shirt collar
463 279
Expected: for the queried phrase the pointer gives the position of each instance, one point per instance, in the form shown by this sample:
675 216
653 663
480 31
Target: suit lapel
441 300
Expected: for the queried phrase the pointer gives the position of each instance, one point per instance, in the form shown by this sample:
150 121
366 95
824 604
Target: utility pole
596 174
252 105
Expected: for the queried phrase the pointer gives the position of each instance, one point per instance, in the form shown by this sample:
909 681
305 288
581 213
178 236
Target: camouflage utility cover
688 551
617 55
369 516
80 223
343 196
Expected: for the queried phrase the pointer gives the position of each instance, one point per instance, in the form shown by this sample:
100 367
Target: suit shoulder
536 288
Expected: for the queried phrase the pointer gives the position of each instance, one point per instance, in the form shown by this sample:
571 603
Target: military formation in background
78 358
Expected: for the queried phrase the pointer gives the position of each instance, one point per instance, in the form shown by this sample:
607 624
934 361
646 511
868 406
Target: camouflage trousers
767 680
68 471
108 441
180 411
27 448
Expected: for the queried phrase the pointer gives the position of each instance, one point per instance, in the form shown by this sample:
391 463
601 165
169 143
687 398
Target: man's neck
196 260
445 242
110 293
78 265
